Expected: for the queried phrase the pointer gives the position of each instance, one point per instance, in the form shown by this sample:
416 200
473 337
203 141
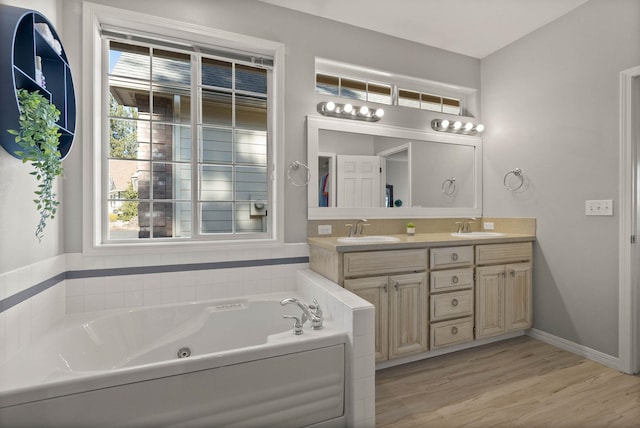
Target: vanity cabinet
451 301
503 288
400 299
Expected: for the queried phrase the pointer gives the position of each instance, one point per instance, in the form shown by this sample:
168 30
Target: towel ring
517 172
294 166
449 186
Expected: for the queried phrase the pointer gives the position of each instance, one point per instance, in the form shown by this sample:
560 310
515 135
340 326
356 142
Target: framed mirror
361 169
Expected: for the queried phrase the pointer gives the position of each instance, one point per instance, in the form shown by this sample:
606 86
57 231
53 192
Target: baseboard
583 351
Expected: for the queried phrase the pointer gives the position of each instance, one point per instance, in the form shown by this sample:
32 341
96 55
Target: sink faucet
309 312
463 226
357 228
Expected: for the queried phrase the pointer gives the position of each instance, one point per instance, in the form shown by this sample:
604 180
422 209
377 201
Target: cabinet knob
396 285
454 330
513 273
454 302
454 279
385 288
454 256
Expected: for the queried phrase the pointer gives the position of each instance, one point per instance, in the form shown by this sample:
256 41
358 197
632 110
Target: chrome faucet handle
317 319
297 325
350 226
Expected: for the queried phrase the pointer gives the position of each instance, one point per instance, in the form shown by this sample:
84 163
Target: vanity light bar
457 127
348 111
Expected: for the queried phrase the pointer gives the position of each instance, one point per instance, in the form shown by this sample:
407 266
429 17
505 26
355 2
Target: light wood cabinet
451 296
503 290
401 320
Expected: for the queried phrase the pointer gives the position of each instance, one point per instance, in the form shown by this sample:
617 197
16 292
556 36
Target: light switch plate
598 207
487 225
324 229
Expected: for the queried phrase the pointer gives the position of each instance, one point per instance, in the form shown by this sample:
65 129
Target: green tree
123 135
129 208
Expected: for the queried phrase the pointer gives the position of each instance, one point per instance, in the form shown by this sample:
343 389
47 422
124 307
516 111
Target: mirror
361 169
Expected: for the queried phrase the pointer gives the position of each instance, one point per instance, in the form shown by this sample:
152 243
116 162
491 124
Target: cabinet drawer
452 332
451 257
452 279
503 253
368 263
451 305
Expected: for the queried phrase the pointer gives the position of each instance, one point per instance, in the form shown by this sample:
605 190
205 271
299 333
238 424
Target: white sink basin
477 234
373 239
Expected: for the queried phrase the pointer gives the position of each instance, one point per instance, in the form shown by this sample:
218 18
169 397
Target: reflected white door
358 181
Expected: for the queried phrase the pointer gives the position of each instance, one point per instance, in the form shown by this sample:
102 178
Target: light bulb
379 112
457 125
348 108
444 124
480 127
330 106
468 126
364 110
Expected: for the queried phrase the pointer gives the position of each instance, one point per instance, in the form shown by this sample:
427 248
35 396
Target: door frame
629 273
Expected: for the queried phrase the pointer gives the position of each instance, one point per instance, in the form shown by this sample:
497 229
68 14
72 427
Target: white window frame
94 129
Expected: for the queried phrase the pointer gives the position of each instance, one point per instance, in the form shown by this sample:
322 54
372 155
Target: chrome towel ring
449 186
294 166
517 173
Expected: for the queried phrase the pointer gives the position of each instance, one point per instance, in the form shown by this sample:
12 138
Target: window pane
354 89
128 60
128 98
326 84
251 112
251 184
128 139
172 106
451 105
171 67
216 183
168 218
217 145
251 79
216 108
408 98
251 147
123 179
216 217
379 93
431 102
171 181
171 142
216 73
245 222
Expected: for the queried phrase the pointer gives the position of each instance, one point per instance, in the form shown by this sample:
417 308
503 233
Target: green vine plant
39 137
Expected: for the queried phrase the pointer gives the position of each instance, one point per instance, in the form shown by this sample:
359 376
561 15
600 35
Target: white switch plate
324 229
487 225
598 207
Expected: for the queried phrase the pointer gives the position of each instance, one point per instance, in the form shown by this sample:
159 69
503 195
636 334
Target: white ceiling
470 27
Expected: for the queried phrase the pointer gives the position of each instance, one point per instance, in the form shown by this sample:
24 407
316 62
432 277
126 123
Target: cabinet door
518 305
490 308
408 324
375 291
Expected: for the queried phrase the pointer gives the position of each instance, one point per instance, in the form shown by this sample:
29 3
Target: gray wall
550 104
305 38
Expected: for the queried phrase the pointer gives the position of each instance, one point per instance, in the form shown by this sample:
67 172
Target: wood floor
520 382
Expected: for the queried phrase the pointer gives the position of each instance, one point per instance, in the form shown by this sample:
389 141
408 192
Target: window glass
326 84
379 93
354 89
408 98
430 102
451 105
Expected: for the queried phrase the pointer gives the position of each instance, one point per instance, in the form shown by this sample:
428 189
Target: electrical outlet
324 229
598 207
487 225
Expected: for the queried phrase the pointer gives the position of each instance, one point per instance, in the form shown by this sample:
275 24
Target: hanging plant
39 137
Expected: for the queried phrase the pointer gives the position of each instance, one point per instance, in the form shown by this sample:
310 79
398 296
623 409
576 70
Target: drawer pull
454 330
385 288
454 257
513 273
396 285
454 279
454 302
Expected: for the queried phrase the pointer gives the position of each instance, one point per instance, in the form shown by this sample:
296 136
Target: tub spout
309 312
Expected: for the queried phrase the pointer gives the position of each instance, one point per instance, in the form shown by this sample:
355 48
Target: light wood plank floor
520 382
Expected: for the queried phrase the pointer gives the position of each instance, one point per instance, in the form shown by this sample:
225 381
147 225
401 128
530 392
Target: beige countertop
419 240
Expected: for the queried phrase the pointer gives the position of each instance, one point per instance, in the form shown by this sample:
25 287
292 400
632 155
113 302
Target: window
188 137
354 89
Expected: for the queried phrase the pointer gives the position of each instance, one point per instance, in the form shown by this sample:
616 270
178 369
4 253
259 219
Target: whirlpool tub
216 363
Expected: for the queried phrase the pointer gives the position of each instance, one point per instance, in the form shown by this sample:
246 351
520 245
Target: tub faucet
309 312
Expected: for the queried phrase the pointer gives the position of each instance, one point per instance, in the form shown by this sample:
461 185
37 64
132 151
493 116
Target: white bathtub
120 368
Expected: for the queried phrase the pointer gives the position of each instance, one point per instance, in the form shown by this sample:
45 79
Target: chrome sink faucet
357 228
463 226
309 312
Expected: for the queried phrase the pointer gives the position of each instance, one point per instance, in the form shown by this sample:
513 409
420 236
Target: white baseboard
583 351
